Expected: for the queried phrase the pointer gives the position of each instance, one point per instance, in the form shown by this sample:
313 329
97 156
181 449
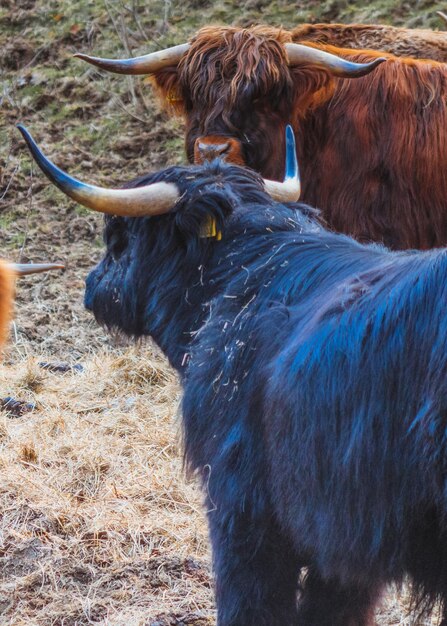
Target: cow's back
352 400
403 42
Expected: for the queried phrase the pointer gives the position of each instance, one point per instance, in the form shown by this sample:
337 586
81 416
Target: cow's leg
326 603
256 571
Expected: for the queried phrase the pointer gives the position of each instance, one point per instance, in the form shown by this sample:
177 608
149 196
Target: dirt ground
97 522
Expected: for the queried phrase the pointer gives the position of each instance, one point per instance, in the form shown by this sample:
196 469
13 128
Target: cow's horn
442 15
298 54
152 199
146 64
289 190
23 269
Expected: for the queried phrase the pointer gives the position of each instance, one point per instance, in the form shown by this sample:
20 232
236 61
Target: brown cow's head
239 88
237 91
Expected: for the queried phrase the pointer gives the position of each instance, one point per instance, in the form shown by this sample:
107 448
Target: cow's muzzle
209 147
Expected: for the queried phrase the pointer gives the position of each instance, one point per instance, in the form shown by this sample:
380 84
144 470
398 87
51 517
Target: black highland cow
314 371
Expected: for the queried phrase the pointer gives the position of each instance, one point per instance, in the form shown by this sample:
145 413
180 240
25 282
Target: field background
97 523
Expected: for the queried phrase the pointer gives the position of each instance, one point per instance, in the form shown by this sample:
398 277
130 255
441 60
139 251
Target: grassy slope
96 524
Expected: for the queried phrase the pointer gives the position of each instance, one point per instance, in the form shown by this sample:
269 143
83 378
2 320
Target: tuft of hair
6 298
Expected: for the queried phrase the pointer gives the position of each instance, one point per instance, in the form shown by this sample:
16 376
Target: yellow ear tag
209 229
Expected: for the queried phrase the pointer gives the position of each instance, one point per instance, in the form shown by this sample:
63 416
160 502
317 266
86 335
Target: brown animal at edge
403 42
6 296
8 274
372 149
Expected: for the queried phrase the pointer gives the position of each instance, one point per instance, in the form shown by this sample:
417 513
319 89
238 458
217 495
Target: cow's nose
210 151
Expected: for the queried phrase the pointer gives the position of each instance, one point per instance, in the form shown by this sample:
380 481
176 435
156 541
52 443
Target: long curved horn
289 190
442 15
24 269
146 64
298 54
152 199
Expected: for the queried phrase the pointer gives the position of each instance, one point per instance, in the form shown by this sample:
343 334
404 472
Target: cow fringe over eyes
241 64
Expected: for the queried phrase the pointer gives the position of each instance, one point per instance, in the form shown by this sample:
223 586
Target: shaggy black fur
314 371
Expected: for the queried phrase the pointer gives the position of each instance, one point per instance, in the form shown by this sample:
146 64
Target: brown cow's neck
375 179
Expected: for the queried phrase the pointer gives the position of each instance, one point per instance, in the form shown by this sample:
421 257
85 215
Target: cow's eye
116 237
118 245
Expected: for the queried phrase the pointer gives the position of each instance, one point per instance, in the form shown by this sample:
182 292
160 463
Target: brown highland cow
372 148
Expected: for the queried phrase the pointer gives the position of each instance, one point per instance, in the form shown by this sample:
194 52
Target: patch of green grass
50 195
81 211
175 146
16 240
6 219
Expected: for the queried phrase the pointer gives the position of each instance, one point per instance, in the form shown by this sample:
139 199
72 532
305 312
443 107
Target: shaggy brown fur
6 297
403 42
372 150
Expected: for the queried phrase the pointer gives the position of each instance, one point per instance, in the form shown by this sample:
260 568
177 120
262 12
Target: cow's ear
167 87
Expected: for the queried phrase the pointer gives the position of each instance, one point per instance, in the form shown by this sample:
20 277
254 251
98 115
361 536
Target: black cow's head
160 233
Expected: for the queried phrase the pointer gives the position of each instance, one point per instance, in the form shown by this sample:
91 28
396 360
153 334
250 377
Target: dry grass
97 524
